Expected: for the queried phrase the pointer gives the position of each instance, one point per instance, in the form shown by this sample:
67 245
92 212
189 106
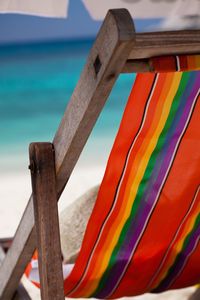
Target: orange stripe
138 99
180 184
191 62
197 62
168 63
185 190
190 274
129 124
115 219
139 152
177 245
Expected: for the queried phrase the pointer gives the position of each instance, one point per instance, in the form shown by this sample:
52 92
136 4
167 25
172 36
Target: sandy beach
26 124
182 294
14 200
15 189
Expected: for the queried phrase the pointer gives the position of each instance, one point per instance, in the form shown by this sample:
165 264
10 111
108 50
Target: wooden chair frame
117 49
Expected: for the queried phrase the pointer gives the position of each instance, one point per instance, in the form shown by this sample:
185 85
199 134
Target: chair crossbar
117 49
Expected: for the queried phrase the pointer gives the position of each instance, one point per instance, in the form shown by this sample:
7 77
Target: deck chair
143 234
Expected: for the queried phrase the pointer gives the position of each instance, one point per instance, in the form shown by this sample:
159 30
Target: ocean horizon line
23 43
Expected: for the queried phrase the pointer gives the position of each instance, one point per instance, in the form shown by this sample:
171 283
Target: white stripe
173 240
117 194
163 182
186 260
178 63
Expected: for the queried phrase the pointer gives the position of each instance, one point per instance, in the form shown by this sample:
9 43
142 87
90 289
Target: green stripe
144 181
185 244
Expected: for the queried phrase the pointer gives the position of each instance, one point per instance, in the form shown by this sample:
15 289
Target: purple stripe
181 262
172 145
146 107
138 224
170 246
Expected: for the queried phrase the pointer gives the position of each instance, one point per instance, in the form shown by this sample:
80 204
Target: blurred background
40 63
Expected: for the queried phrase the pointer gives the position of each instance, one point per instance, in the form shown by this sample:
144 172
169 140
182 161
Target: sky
16 28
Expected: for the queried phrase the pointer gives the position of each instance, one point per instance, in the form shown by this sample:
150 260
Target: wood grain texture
137 66
46 220
18 255
165 43
153 44
113 46
21 293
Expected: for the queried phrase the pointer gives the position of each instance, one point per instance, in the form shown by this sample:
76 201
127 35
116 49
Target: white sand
15 189
182 294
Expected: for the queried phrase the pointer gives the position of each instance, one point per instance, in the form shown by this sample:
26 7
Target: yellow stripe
197 62
177 248
102 262
191 62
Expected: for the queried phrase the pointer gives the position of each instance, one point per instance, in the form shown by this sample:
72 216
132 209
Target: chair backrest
144 230
117 49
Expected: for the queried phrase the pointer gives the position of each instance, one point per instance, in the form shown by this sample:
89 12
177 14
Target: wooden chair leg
106 60
42 168
21 293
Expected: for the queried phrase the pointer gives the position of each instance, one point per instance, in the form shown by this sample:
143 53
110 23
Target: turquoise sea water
36 82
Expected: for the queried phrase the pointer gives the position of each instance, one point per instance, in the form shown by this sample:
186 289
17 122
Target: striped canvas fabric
143 234
175 63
